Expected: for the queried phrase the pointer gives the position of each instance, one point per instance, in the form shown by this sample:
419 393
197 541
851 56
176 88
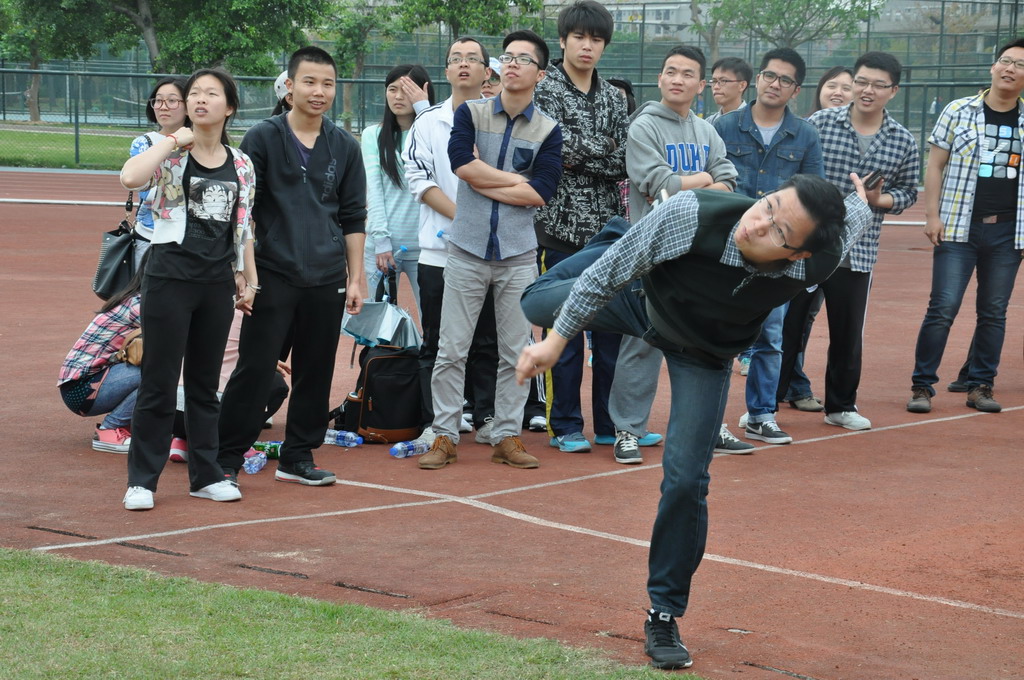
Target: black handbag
116 265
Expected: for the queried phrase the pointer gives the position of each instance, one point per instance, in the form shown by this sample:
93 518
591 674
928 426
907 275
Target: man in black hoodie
310 214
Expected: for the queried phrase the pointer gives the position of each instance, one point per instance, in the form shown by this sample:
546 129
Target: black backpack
385 405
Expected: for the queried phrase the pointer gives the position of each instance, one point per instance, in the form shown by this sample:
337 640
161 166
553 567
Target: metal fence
89 110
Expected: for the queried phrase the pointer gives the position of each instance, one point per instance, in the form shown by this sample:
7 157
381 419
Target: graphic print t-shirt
1000 165
206 254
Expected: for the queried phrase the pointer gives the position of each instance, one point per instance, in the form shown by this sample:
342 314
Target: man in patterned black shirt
592 115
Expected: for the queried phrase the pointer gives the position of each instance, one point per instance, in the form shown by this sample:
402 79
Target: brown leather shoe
440 454
511 451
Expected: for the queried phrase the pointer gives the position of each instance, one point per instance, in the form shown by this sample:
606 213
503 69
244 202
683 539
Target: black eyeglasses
494 80
722 81
521 59
169 104
864 83
772 76
452 61
775 233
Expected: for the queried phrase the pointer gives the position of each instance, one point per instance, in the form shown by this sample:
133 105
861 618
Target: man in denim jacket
768 145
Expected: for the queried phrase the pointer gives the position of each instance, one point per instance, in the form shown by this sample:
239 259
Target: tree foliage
183 35
488 16
789 23
38 30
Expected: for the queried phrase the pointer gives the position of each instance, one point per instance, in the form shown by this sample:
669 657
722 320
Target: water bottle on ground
254 461
272 449
342 438
416 447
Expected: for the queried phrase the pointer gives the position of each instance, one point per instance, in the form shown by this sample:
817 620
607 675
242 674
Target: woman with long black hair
392 224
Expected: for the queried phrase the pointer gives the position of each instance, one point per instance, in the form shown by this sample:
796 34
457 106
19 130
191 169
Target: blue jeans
989 248
765 363
700 386
116 396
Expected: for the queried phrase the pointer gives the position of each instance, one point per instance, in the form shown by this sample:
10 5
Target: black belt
993 219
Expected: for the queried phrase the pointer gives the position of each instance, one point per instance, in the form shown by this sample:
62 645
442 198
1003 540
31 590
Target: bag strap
127 225
387 285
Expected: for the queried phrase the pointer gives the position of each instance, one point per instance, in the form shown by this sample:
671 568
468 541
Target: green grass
60 618
39 149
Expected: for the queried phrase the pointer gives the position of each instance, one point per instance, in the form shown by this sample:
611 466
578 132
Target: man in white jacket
428 172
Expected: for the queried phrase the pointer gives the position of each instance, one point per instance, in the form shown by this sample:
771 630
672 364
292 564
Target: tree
707 27
490 16
789 23
37 30
350 25
183 35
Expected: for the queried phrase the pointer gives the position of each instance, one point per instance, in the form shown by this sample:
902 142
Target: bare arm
933 226
139 170
439 203
520 194
355 286
479 175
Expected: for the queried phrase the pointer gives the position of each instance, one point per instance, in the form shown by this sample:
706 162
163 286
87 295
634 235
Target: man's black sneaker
230 475
304 472
663 645
767 431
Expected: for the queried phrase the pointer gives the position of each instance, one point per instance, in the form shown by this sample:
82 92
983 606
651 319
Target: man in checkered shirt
860 138
696 277
974 209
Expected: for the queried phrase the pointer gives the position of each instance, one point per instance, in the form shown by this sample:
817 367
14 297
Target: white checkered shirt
893 151
960 130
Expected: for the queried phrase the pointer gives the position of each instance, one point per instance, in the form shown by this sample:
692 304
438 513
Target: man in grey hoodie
669 149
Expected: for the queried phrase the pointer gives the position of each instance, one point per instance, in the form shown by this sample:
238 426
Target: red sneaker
116 440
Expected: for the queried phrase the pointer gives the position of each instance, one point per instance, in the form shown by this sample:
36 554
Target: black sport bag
385 406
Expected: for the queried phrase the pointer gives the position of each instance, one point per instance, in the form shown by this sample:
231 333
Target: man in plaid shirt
860 138
974 208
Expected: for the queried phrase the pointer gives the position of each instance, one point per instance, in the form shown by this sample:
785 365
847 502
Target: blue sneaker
649 439
572 443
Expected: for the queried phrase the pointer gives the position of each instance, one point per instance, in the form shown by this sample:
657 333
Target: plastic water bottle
342 438
272 449
416 447
254 461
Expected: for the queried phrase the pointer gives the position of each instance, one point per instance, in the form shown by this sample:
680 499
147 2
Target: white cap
280 89
495 66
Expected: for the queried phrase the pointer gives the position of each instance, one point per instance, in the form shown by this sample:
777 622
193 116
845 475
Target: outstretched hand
858 186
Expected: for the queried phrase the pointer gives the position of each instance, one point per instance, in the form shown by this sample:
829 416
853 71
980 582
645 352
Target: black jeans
846 299
180 319
312 316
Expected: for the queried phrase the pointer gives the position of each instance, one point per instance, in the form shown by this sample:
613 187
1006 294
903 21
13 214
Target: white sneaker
138 498
743 421
483 435
428 435
851 420
466 424
219 491
538 424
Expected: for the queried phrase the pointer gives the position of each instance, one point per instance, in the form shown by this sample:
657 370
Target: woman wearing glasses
165 108
392 238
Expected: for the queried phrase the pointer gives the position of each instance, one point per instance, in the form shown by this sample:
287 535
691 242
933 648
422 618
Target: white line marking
474 502
53 201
